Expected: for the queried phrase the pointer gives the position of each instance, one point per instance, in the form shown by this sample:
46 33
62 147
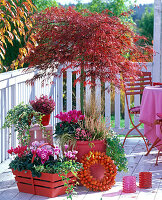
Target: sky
85 1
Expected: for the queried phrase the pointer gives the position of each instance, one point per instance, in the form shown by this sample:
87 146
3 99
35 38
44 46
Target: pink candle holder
129 184
145 179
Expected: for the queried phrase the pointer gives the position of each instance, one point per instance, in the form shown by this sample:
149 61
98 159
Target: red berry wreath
86 177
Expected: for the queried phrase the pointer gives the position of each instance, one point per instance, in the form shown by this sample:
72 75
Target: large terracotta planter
83 147
48 185
45 120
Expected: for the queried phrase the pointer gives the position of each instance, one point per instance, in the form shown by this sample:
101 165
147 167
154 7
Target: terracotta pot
46 120
48 185
84 147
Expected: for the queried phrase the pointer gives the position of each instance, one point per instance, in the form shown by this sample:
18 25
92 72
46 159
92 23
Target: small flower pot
48 185
46 120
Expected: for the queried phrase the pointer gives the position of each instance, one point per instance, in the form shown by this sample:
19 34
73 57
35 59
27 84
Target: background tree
16 21
115 6
43 4
139 11
95 44
146 24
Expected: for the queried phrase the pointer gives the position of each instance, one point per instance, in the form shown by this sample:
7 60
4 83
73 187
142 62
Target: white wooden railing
13 90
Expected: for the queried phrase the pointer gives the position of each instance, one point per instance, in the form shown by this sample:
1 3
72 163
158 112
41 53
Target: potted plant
89 134
41 170
45 106
21 117
65 130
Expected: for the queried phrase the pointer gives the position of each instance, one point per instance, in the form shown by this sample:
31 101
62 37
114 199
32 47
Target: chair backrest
133 87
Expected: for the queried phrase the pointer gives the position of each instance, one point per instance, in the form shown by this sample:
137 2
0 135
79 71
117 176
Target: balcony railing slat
88 92
107 104
77 94
117 108
127 120
69 90
98 94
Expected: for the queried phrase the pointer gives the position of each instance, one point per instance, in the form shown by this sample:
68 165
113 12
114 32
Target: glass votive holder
129 184
145 180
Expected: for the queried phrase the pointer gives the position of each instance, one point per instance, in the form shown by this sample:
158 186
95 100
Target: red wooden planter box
48 185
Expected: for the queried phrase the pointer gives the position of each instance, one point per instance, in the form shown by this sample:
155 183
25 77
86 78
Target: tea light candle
129 184
145 179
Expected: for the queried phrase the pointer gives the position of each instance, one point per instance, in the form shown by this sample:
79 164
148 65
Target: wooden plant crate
48 185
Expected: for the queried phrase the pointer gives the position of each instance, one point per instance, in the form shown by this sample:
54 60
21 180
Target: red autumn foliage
101 45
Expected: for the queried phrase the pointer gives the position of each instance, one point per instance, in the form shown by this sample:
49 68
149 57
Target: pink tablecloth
151 105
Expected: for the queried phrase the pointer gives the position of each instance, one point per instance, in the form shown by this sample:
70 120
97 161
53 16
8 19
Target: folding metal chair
156 83
136 87
159 122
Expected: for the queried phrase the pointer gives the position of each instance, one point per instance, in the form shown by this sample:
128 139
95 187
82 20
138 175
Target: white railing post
88 92
107 105
1 146
60 93
127 120
3 131
69 90
13 103
157 65
77 93
98 94
117 108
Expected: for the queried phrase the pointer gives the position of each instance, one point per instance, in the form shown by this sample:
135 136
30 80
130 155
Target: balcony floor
137 162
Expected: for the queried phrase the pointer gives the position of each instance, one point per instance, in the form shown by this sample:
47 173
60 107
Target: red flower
10 151
44 104
20 151
71 116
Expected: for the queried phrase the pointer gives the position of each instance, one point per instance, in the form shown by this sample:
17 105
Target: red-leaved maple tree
95 44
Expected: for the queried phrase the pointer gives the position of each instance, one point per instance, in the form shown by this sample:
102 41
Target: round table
151 105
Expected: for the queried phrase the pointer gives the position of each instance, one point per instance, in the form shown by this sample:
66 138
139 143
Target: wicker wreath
88 180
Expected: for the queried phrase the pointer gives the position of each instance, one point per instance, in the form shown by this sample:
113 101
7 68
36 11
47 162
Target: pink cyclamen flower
66 146
57 153
68 154
75 152
73 156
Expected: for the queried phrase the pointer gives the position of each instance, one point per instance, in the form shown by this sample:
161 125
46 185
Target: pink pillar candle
129 184
145 179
